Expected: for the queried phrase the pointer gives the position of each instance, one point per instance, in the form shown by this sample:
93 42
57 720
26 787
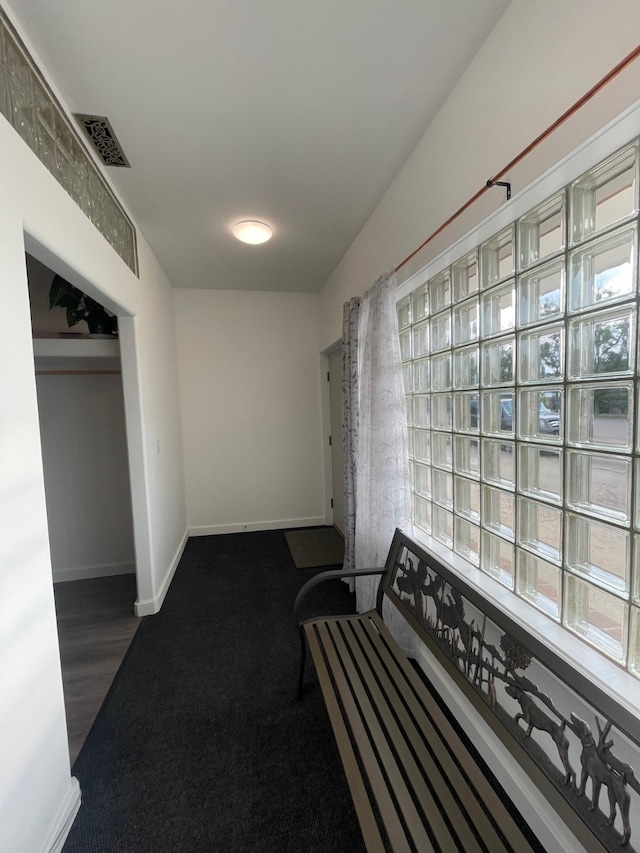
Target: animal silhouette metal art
594 767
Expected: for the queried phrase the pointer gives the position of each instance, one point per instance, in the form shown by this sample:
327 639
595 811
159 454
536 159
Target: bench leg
303 657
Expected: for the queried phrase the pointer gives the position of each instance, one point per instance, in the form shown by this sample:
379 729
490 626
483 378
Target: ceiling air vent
100 133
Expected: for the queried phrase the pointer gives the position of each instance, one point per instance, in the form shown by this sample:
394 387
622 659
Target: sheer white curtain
376 427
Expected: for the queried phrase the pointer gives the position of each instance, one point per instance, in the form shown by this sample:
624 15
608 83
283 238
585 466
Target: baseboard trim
252 526
85 572
551 830
65 819
150 606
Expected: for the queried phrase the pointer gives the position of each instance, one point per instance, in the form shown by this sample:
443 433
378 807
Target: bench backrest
521 686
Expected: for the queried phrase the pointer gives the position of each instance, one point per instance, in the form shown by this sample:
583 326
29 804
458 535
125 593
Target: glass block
43 105
542 294
422 375
539 583
5 108
442 484
407 378
498 413
465 367
45 146
599 485
420 339
442 450
467 540
408 404
602 343
600 552
467 498
497 258
498 312
422 445
465 277
601 416
603 271
422 410
22 114
497 558
404 312
405 344
498 362
17 65
498 511
467 456
542 232
441 372
634 642
540 414
440 292
466 325
465 412
498 463
422 479
540 472
604 196
441 411
422 513
442 525
540 529
420 303
441 331
597 616
541 355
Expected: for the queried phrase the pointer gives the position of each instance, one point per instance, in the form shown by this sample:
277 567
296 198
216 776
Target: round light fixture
252 231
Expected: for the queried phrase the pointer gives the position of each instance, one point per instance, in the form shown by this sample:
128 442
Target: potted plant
79 307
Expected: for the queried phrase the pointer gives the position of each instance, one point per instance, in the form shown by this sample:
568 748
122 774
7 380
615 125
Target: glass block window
528 413
34 112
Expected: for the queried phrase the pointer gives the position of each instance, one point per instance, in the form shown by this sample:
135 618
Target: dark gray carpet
312 547
200 745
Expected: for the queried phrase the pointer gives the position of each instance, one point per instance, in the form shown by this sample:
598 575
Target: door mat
315 546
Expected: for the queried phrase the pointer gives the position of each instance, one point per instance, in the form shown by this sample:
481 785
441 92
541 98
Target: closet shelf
76 354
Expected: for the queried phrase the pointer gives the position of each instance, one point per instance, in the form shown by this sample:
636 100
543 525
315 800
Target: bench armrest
324 576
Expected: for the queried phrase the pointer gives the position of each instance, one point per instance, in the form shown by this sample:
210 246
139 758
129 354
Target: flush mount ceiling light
252 231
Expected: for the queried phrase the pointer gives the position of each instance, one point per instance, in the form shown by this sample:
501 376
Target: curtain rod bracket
492 183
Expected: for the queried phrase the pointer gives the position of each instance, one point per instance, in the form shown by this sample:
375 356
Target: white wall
37 793
251 414
541 57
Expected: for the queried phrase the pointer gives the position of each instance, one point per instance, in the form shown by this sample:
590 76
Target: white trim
251 526
601 145
150 606
64 820
85 572
554 835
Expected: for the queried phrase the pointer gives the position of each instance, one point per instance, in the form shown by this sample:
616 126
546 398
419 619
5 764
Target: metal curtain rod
495 181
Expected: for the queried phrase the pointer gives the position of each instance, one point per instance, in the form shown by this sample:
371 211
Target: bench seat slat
375 777
368 824
463 808
393 733
354 661
491 798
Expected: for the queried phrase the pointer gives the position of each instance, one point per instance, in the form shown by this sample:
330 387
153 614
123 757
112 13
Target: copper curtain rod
631 57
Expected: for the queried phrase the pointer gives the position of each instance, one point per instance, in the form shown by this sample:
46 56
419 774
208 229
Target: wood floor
96 624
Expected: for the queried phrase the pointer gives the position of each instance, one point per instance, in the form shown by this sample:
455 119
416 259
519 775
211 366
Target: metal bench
416 782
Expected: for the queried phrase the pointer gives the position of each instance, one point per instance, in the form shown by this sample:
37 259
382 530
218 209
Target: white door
337 469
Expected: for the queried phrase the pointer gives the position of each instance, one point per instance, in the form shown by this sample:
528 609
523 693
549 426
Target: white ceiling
297 112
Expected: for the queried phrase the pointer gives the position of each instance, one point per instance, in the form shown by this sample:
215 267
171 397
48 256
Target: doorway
88 497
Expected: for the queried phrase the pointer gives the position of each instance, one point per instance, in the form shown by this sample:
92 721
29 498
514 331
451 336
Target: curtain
375 441
350 323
